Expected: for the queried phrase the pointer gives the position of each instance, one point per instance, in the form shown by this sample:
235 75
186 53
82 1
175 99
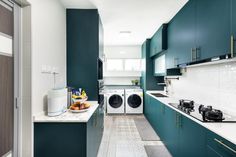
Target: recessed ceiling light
122 52
125 34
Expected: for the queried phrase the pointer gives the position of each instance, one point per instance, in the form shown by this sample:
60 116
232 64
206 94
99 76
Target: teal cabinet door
153 45
159 41
213 27
218 145
181 36
191 136
172 132
147 106
212 153
153 113
149 82
233 22
160 119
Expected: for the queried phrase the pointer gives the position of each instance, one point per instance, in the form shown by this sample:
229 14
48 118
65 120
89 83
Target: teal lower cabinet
191 138
176 130
147 106
63 139
218 146
183 137
171 132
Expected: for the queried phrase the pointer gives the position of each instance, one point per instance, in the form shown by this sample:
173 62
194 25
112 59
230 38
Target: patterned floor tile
121 138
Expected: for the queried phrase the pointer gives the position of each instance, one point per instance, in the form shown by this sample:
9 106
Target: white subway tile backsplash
209 85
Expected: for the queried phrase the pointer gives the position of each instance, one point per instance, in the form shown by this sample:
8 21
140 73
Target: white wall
26 107
121 52
43 44
48 48
209 85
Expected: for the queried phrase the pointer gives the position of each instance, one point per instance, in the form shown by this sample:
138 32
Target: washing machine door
115 101
134 101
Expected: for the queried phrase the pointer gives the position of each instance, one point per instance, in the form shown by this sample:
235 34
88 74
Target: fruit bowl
82 100
79 111
79 107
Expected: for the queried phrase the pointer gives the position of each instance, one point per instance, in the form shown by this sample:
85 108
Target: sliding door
6 78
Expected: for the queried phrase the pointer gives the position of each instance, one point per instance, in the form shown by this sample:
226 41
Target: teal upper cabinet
160 66
200 30
148 81
213 28
181 36
159 41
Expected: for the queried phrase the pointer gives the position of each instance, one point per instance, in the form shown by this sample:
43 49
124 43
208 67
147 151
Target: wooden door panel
6 104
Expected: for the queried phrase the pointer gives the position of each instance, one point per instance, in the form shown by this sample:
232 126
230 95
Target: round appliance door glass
115 101
134 101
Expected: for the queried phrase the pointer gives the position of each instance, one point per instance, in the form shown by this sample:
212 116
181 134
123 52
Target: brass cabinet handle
232 46
226 146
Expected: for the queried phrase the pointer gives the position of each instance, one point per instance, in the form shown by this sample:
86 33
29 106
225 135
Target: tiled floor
121 138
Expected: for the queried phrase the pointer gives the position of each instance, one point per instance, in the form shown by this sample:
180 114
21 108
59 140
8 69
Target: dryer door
134 101
115 101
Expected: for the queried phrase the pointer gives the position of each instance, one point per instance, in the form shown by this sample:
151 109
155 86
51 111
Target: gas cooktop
203 113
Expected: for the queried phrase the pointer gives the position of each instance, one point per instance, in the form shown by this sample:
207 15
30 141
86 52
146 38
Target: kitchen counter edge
68 117
225 130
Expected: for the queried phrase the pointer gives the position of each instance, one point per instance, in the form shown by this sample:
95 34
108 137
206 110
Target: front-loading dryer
115 101
134 101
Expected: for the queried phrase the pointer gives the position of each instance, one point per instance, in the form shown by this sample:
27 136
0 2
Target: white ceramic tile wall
210 84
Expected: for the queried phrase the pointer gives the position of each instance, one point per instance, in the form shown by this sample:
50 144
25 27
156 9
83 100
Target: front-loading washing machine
115 101
133 101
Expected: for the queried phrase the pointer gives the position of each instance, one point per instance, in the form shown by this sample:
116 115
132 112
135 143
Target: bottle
69 100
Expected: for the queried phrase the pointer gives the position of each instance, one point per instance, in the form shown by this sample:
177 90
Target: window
133 65
114 65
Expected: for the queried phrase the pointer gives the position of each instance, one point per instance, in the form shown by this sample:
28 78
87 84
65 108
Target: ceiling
140 17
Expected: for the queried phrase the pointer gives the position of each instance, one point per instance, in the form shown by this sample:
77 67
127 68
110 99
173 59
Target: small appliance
210 114
57 101
186 105
204 113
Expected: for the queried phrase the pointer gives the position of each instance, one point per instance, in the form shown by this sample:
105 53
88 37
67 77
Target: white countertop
225 130
69 116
